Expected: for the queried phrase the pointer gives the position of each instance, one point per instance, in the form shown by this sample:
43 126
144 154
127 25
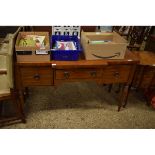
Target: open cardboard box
32 53
114 46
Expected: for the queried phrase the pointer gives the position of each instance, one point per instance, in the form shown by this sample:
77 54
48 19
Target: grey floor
84 106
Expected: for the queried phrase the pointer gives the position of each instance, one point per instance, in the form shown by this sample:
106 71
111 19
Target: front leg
21 104
124 96
1 108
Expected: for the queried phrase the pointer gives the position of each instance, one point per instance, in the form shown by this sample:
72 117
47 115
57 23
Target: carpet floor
84 106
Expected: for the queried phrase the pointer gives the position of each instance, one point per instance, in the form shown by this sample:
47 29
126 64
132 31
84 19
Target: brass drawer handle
66 75
36 76
116 74
93 73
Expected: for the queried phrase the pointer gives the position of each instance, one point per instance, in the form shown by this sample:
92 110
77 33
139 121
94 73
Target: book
99 41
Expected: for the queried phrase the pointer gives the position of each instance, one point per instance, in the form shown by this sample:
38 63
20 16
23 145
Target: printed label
41 52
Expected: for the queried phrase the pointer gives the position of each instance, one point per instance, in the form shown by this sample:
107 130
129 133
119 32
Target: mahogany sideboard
53 73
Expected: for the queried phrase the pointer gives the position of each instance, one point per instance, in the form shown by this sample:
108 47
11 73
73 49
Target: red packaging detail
153 102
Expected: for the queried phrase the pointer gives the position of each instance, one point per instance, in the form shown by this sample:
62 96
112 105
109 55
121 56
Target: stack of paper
33 40
65 45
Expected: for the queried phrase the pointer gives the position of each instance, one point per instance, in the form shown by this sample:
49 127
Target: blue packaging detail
65 55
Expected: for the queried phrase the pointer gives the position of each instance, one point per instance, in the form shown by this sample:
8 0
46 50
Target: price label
41 52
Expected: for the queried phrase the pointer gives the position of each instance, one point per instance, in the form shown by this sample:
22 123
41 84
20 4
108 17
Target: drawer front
32 76
116 74
78 74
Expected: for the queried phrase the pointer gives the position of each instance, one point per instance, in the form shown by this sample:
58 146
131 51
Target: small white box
76 31
57 30
66 30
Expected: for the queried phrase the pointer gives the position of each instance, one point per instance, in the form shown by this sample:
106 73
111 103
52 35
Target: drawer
78 74
32 76
116 74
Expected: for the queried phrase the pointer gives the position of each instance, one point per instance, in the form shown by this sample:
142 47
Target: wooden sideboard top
130 58
145 57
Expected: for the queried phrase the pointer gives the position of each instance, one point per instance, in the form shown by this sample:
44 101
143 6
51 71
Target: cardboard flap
118 39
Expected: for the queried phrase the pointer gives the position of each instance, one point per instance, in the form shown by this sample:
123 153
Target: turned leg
20 100
119 88
124 96
26 92
126 93
21 111
1 108
110 87
17 104
147 97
